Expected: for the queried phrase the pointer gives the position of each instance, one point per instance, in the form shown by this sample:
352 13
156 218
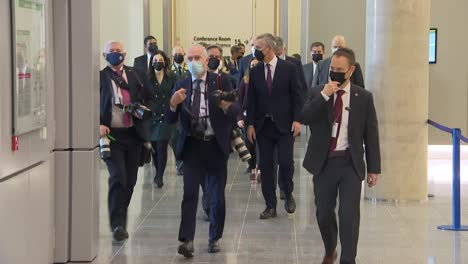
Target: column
397 73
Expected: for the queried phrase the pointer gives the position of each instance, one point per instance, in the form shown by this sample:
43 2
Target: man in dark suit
343 120
317 51
204 145
244 63
273 109
120 86
323 68
281 53
142 62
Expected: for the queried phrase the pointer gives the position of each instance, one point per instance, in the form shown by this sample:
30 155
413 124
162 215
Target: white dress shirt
342 142
148 59
204 108
273 64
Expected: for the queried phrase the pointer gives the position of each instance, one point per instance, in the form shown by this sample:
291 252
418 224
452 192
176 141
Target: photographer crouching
122 100
204 145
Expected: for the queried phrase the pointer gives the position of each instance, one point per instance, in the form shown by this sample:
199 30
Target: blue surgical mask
115 58
196 68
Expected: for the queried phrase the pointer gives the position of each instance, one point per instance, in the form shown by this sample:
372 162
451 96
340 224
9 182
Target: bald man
322 75
204 146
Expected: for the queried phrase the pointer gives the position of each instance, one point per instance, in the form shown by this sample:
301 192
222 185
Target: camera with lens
104 148
229 96
137 110
239 145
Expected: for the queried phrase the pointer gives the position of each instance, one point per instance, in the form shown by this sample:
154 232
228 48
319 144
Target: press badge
335 130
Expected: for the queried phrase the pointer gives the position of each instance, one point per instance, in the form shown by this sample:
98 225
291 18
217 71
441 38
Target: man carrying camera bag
204 145
122 98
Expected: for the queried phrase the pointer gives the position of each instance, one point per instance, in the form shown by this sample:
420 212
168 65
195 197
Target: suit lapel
261 69
330 109
279 66
353 98
188 98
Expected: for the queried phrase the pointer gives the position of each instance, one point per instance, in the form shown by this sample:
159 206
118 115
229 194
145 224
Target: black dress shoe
282 195
186 249
119 234
158 182
268 213
290 204
213 246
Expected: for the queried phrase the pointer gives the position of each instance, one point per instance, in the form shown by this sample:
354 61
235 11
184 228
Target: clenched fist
178 97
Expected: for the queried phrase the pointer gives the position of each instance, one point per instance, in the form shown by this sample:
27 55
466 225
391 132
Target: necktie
196 99
180 70
126 101
337 114
269 80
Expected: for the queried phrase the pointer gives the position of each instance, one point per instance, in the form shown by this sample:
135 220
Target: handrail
456 137
445 129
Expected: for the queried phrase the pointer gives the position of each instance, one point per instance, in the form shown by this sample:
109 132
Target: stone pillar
397 73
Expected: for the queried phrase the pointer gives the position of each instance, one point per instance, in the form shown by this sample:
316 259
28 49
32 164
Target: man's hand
224 105
103 130
240 123
330 88
251 134
371 179
178 97
296 128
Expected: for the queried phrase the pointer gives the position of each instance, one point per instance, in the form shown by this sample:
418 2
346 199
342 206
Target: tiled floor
389 233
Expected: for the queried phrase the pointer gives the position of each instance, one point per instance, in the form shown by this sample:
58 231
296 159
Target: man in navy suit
273 109
142 62
244 63
204 145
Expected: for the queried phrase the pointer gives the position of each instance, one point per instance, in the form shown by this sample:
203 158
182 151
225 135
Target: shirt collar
273 62
347 88
203 78
148 55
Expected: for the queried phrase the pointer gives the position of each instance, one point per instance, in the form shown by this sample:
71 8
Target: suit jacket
309 74
300 74
244 65
232 69
283 105
323 72
138 94
222 123
141 65
184 73
362 130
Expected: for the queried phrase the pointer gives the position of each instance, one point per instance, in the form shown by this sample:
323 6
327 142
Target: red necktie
337 114
269 80
126 101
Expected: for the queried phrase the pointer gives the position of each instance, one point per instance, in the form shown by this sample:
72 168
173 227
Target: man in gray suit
323 68
343 118
317 52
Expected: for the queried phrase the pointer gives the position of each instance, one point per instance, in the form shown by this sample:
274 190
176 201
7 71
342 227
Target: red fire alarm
14 143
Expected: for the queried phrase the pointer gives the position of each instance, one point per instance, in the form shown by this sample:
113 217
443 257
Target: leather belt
205 138
338 154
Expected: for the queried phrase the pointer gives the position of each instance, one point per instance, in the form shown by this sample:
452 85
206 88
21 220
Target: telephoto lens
239 145
104 146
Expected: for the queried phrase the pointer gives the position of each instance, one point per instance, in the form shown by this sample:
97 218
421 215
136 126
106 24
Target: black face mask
158 65
179 58
259 55
338 77
153 48
213 63
317 57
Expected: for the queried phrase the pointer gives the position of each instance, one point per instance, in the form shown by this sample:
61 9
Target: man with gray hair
273 112
204 145
121 90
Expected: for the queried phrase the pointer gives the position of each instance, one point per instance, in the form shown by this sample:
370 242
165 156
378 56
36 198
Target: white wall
26 176
339 17
122 20
448 78
156 27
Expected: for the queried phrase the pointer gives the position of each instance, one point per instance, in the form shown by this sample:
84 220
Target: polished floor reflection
404 233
